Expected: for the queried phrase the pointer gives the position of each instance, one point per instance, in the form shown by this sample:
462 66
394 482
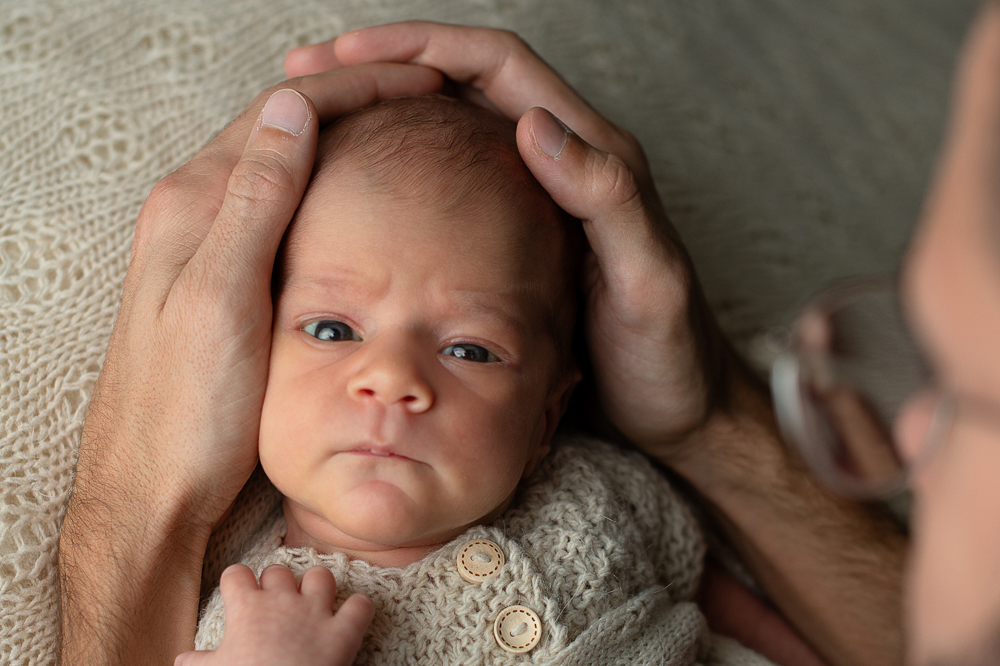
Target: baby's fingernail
549 133
286 110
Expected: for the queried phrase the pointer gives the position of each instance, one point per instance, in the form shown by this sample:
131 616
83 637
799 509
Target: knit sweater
596 544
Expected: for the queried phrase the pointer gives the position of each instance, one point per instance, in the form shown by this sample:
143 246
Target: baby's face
414 377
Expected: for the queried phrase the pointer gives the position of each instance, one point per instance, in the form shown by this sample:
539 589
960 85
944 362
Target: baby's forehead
507 250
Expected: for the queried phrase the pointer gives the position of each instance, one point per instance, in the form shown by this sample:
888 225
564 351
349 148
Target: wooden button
479 560
517 629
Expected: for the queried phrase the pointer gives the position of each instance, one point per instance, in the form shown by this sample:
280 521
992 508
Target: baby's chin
375 519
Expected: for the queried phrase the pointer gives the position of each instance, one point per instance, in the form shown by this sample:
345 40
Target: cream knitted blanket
596 543
791 140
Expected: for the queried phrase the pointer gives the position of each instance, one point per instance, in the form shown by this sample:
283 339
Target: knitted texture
596 543
791 142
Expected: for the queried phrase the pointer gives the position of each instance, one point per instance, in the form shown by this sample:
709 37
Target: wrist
738 446
132 508
148 476
128 561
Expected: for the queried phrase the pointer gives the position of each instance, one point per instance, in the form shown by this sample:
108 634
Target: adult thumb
622 216
263 192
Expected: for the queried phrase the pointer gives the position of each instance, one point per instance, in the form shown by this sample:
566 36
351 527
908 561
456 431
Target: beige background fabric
791 141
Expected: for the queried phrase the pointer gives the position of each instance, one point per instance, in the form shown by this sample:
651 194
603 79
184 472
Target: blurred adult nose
912 426
390 373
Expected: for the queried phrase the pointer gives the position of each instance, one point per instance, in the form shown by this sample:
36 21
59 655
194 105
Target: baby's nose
391 375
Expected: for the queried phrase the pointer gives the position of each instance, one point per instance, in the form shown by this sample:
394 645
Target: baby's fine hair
406 143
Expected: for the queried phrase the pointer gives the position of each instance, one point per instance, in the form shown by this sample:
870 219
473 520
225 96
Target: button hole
481 557
519 629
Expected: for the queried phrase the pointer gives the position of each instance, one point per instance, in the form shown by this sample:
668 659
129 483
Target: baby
421 360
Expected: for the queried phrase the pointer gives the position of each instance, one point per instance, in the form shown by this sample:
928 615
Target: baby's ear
559 399
555 407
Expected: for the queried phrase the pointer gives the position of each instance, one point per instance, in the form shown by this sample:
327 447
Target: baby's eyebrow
346 281
501 308
482 305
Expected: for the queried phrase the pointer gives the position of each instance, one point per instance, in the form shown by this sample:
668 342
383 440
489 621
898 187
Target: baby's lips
376 451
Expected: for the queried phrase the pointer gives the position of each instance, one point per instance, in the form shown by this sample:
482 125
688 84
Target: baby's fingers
318 582
349 626
193 658
236 580
278 578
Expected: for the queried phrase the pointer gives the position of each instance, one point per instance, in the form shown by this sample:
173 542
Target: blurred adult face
952 292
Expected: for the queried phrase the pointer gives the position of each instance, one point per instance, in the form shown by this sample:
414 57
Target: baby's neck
335 541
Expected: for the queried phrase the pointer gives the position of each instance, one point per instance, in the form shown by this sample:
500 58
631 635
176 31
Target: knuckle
617 184
623 143
165 198
627 138
260 179
296 83
510 41
166 193
213 303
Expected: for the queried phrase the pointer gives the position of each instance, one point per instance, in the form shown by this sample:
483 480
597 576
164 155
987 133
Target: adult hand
170 435
283 622
646 323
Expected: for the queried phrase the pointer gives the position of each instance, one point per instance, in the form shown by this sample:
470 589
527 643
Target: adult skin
665 376
170 435
952 292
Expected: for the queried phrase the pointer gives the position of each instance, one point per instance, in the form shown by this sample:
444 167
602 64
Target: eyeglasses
848 368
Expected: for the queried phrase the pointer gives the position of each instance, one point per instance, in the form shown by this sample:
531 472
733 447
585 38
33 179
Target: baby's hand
280 622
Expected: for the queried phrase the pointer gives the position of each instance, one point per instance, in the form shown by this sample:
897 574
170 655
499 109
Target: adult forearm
832 566
129 572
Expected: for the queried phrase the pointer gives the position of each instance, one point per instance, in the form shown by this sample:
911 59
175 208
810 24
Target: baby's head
423 322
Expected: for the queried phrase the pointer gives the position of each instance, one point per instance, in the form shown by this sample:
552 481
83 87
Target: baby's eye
473 353
327 329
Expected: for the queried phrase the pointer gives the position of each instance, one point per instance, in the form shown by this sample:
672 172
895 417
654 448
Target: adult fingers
319 582
311 59
183 206
497 62
334 94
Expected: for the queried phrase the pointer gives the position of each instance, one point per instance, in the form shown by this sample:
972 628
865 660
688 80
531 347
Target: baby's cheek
279 420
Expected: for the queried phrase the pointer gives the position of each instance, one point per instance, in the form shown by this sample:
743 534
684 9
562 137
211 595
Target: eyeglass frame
796 426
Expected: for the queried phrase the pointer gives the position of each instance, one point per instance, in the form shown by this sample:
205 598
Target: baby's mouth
378 452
